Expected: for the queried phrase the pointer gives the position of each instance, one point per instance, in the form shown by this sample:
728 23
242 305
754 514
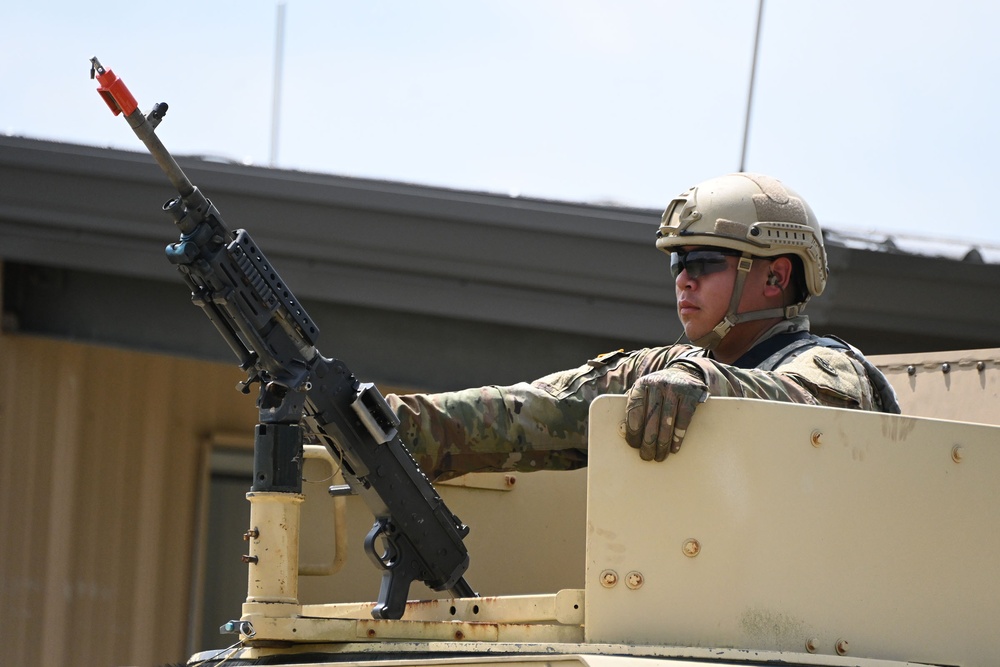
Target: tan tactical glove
659 408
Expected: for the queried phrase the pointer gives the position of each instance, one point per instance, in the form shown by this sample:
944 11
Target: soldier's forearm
492 429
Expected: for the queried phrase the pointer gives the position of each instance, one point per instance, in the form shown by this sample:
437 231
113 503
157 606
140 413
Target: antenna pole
279 49
753 75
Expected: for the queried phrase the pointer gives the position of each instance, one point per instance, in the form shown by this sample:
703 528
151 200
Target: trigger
379 547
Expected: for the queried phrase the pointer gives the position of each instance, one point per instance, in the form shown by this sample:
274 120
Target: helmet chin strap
712 339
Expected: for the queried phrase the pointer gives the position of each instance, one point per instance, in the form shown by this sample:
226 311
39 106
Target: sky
882 115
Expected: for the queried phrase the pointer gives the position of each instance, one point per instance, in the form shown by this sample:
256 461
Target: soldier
747 254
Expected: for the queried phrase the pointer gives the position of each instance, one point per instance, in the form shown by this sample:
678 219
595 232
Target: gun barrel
118 98
147 134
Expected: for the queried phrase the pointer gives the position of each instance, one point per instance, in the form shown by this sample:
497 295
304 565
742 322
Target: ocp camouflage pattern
543 424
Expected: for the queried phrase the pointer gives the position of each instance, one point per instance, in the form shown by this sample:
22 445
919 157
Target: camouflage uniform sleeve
819 376
522 427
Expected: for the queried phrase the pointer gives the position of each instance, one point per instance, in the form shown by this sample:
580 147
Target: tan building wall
100 467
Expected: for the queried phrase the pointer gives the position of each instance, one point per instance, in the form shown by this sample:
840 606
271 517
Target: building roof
973 252
417 261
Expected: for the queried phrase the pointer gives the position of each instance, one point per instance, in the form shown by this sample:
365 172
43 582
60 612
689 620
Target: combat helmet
758 216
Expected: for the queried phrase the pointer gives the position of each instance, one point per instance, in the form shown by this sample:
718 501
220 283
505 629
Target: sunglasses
699 263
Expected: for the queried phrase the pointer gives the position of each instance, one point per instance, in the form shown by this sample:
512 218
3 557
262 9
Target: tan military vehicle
781 534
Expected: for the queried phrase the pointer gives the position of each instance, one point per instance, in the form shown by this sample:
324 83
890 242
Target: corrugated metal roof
973 252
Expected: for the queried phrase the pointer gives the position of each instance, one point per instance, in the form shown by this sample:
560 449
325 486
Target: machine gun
415 535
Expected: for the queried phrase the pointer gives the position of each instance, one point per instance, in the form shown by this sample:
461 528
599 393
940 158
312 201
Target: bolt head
691 547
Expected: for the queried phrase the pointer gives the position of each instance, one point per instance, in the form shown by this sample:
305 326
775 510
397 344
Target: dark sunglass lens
697 263
676 264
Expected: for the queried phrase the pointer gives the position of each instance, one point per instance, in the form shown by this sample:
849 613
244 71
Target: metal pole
753 75
279 48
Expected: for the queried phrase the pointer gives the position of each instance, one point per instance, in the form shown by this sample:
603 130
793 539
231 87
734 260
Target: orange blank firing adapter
112 89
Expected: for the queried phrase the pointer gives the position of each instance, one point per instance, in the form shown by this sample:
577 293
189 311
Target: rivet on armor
691 547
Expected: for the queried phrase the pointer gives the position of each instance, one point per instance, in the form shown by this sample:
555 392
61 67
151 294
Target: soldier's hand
659 409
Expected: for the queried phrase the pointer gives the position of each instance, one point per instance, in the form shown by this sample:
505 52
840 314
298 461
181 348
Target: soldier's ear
779 276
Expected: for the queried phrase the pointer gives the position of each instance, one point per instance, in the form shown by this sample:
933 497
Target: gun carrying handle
339 557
